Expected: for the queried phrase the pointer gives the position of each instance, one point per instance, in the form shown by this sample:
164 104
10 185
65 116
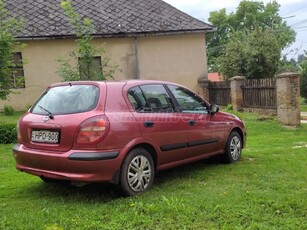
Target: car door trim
170 147
202 142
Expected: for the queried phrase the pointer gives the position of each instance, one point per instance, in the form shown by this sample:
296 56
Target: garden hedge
8 133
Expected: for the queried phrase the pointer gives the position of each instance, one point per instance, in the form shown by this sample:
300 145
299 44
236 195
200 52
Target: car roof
141 82
129 82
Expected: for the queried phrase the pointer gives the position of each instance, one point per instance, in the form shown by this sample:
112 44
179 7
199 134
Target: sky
293 11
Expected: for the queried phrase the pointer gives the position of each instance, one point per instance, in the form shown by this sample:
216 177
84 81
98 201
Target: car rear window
67 100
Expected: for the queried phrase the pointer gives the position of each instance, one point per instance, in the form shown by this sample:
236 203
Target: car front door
205 133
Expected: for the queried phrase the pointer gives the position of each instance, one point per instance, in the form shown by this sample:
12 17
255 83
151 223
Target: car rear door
155 113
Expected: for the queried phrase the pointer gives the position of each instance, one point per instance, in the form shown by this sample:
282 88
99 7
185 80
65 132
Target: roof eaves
156 33
118 35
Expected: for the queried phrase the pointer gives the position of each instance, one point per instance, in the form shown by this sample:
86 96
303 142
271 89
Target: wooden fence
278 96
219 93
259 93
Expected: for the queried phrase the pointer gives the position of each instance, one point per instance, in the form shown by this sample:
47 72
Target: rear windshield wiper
47 111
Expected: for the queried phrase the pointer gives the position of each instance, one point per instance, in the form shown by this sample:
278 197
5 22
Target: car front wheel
233 148
137 172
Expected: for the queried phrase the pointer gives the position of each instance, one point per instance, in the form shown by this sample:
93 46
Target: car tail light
18 133
93 130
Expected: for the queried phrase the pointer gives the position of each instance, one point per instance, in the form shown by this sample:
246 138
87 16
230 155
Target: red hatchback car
122 132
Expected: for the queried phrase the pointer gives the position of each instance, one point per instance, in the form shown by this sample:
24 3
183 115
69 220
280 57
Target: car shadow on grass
107 192
186 171
94 192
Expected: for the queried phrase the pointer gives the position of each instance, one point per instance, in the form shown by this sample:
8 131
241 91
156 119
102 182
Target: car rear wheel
137 172
233 148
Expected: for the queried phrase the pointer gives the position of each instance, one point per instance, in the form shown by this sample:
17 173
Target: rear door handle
191 122
149 124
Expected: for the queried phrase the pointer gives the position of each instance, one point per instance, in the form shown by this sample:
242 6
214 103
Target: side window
188 101
150 98
18 78
137 99
157 98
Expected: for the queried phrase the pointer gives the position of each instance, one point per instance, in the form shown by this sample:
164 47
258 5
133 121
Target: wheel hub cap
235 148
139 173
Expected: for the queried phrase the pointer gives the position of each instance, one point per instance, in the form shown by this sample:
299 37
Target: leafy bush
229 107
84 69
9 27
304 80
8 133
8 110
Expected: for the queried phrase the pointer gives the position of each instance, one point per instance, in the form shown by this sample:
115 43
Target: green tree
8 28
302 57
253 54
303 66
80 64
289 65
249 16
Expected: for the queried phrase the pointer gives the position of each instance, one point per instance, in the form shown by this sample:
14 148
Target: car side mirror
214 109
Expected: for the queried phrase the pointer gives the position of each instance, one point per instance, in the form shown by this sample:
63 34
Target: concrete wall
180 59
177 58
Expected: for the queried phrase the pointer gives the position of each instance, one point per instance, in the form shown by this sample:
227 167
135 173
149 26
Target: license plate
45 136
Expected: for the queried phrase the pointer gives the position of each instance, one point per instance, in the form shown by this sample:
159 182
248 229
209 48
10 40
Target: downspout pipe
137 63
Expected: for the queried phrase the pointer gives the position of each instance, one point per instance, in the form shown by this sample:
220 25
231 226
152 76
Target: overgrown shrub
8 110
303 86
9 28
84 67
8 133
229 107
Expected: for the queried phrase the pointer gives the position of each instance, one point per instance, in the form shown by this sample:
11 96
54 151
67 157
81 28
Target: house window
93 70
18 78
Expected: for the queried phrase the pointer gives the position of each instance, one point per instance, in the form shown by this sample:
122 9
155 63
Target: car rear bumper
73 165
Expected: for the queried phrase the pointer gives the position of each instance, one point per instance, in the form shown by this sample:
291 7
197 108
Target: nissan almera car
122 132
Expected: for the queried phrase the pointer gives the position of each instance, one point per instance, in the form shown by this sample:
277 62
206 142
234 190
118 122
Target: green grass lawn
267 189
303 105
304 108
10 119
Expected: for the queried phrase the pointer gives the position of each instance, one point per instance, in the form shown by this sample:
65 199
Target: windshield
66 100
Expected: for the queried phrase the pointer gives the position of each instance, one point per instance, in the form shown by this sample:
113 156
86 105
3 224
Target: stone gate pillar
236 92
288 98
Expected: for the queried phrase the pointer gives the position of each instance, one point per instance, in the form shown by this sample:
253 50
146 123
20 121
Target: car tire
137 172
233 148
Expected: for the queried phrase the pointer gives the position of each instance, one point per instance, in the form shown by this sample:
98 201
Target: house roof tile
214 77
45 18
